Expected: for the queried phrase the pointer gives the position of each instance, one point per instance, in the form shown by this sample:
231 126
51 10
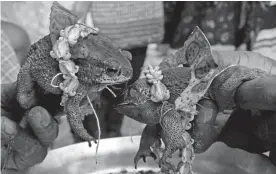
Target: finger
237 133
26 149
207 112
257 94
245 58
43 125
204 131
264 126
8 93
9 105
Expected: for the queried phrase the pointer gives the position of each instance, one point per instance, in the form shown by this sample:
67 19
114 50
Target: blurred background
149 30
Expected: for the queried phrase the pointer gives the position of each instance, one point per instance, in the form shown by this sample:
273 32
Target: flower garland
160 93
68 69
61 52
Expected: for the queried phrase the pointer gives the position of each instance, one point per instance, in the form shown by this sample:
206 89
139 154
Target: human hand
23 147
251 127
245 58
257 94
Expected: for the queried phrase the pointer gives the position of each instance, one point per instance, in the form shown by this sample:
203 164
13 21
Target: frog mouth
127 103
126 107
123 76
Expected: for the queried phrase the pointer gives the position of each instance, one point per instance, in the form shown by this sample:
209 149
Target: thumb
26 150
43 125
204 130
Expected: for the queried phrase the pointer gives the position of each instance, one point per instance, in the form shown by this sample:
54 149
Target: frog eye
112 67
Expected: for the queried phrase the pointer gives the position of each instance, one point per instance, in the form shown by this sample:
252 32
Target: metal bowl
116 154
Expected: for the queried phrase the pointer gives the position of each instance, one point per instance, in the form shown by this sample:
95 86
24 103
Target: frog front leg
166 166
73 113
172 136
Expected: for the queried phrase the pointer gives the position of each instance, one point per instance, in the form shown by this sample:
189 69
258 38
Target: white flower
61 49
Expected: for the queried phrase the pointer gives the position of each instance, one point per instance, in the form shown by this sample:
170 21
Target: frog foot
166 167
188 154
157 150
143 154
184 168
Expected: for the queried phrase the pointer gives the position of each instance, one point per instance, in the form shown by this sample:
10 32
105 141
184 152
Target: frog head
99 60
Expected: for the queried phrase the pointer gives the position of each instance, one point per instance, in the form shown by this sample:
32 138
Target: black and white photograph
138 87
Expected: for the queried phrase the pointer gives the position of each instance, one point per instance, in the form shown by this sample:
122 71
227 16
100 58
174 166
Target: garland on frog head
66 33
196 52
63 39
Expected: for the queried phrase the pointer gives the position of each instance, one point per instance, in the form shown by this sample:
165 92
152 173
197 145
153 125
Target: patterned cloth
9 63
23 14
218 20
266 39
224 23
266 43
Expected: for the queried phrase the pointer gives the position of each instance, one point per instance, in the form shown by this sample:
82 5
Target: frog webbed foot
157 149
184 168
166 167
143 154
